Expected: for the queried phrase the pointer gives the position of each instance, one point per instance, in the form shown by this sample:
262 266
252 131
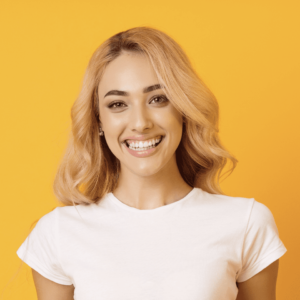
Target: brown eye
115 105
159 99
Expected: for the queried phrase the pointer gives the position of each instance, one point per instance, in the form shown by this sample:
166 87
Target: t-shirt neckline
163 208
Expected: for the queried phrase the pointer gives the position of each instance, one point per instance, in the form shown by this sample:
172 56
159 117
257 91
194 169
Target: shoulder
47 220
72 211
261 220
74 217
244 208
261 213
227 204
236 202
63 214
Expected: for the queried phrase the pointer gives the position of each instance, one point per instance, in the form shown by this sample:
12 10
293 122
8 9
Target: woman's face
129 111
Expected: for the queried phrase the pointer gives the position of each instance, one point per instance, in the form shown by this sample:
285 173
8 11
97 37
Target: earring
101 132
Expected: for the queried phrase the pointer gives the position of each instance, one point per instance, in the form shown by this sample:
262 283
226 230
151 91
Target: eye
161 97
115 105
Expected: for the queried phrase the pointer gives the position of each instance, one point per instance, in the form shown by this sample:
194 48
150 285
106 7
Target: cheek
111 123
173 122
173 127
175 117
112 128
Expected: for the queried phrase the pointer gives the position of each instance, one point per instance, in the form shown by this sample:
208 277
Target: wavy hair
89 169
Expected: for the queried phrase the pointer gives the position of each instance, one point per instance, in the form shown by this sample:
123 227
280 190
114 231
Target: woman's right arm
48 290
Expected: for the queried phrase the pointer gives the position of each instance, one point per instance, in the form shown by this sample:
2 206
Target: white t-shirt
194 248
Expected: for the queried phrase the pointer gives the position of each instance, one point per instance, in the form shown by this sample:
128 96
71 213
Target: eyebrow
145 90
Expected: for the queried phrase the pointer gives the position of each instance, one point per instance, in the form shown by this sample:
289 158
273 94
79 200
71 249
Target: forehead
129 72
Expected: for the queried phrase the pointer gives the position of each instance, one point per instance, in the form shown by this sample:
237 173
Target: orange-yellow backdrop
246 51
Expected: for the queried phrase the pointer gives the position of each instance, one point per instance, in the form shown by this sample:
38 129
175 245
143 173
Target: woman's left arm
261 286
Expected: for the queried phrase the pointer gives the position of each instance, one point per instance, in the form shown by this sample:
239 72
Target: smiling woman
144 215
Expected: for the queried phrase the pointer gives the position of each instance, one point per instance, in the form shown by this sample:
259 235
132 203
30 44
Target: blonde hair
89 169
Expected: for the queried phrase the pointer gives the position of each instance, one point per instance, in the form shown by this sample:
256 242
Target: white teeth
144 145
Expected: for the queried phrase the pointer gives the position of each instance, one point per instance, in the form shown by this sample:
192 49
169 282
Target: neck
151 190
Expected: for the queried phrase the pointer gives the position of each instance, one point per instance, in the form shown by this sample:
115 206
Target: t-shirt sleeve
40 250
262 245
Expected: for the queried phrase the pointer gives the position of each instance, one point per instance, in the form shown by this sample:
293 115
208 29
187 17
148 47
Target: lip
143 153
141 137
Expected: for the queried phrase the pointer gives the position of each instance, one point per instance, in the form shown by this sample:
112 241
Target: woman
144 216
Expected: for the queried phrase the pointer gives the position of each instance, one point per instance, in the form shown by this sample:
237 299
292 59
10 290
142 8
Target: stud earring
101 132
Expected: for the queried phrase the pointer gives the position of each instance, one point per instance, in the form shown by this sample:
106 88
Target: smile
141 146
146 149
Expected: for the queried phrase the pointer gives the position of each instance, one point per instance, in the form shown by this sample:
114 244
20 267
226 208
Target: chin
145 171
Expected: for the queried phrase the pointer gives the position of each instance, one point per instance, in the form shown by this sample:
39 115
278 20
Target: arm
48 290
262 286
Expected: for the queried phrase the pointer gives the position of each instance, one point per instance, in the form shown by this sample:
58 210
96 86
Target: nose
140 119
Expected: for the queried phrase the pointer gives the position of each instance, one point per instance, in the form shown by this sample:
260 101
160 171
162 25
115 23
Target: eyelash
160 96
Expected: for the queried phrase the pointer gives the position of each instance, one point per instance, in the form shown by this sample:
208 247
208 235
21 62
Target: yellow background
246 51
